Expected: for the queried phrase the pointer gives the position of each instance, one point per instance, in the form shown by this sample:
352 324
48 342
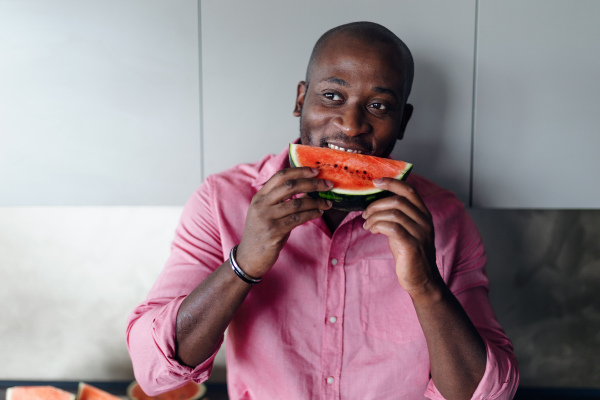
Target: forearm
456 350
205 314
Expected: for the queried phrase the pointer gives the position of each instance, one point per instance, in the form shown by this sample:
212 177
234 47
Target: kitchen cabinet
537 135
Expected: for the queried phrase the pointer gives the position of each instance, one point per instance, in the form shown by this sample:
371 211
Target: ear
406 114
300 93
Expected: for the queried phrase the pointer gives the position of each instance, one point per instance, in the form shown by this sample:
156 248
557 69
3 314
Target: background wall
94 170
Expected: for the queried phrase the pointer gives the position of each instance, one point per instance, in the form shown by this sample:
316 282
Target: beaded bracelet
238 271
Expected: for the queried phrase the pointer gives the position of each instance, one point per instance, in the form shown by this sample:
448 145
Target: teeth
334 147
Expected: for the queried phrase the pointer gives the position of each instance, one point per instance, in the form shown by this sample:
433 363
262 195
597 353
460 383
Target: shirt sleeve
466 277
196 252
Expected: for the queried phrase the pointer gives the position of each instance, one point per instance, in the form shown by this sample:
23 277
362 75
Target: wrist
250 261
250 279
432 292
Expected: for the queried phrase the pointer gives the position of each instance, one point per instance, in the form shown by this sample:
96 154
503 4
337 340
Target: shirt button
332 320
333 261
330 380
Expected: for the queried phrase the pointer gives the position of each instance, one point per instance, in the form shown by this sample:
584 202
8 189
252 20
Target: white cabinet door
99 102
254 53
537 136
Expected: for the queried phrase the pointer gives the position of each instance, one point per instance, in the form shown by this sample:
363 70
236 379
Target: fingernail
329 183
314 170
377 181
365 225
329 203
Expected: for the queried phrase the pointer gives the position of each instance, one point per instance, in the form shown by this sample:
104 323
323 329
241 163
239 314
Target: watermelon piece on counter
89 392
190 391
352 174
38 393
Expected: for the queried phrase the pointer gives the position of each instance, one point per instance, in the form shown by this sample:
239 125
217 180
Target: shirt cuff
500 380
169 373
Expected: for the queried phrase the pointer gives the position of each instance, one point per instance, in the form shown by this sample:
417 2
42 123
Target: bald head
369 32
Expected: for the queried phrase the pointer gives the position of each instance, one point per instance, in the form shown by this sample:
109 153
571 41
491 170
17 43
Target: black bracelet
238 271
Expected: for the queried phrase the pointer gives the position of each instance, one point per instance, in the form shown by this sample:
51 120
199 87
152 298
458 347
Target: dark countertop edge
118 388
533 393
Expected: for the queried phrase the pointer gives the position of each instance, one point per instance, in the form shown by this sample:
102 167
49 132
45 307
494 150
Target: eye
378 106
332 96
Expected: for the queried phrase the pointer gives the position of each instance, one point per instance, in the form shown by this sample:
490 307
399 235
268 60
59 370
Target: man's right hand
273 214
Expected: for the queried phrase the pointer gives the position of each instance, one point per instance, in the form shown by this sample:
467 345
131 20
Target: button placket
334 312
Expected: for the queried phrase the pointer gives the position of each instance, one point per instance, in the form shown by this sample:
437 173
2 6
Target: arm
456 350
206 312
174 335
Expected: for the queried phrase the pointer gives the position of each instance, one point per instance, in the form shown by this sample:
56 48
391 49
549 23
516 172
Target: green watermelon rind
351 200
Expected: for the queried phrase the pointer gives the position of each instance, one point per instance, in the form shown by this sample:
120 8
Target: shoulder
450 218
442 203
233 188
223 198
241 175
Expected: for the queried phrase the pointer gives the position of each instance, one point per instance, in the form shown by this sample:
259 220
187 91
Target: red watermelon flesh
38 393
352 174
89 392
190 391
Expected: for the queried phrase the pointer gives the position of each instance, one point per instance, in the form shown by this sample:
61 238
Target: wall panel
99 102
538 96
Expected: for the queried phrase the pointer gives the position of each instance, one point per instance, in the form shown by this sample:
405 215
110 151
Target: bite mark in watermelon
38 393
352 174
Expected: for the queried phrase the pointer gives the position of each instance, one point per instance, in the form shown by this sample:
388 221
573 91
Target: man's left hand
407 223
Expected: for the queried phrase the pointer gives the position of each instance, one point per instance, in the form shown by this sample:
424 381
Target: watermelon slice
190 391
37 393
352 174
89 392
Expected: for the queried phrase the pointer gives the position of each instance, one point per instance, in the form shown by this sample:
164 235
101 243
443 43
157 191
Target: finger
391 230
397 217
290 173
291 221
291 187
402 189
298 205
419 214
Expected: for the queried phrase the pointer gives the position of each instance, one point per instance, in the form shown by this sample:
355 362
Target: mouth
335 147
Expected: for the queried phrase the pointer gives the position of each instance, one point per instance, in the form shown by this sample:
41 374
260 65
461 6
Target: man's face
355 98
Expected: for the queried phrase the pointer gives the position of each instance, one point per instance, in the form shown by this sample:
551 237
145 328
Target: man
389 303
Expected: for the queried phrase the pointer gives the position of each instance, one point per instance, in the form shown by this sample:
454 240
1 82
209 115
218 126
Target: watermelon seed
335 166
346 167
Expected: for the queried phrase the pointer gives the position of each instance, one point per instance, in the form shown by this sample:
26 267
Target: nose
352 120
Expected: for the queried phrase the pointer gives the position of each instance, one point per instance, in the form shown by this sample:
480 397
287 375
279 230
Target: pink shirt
329 320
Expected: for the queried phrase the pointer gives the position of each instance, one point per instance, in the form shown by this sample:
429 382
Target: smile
334 147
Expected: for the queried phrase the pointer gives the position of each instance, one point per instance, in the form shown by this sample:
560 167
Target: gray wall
544 268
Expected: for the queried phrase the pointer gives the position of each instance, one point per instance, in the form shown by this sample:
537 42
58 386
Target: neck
333 218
